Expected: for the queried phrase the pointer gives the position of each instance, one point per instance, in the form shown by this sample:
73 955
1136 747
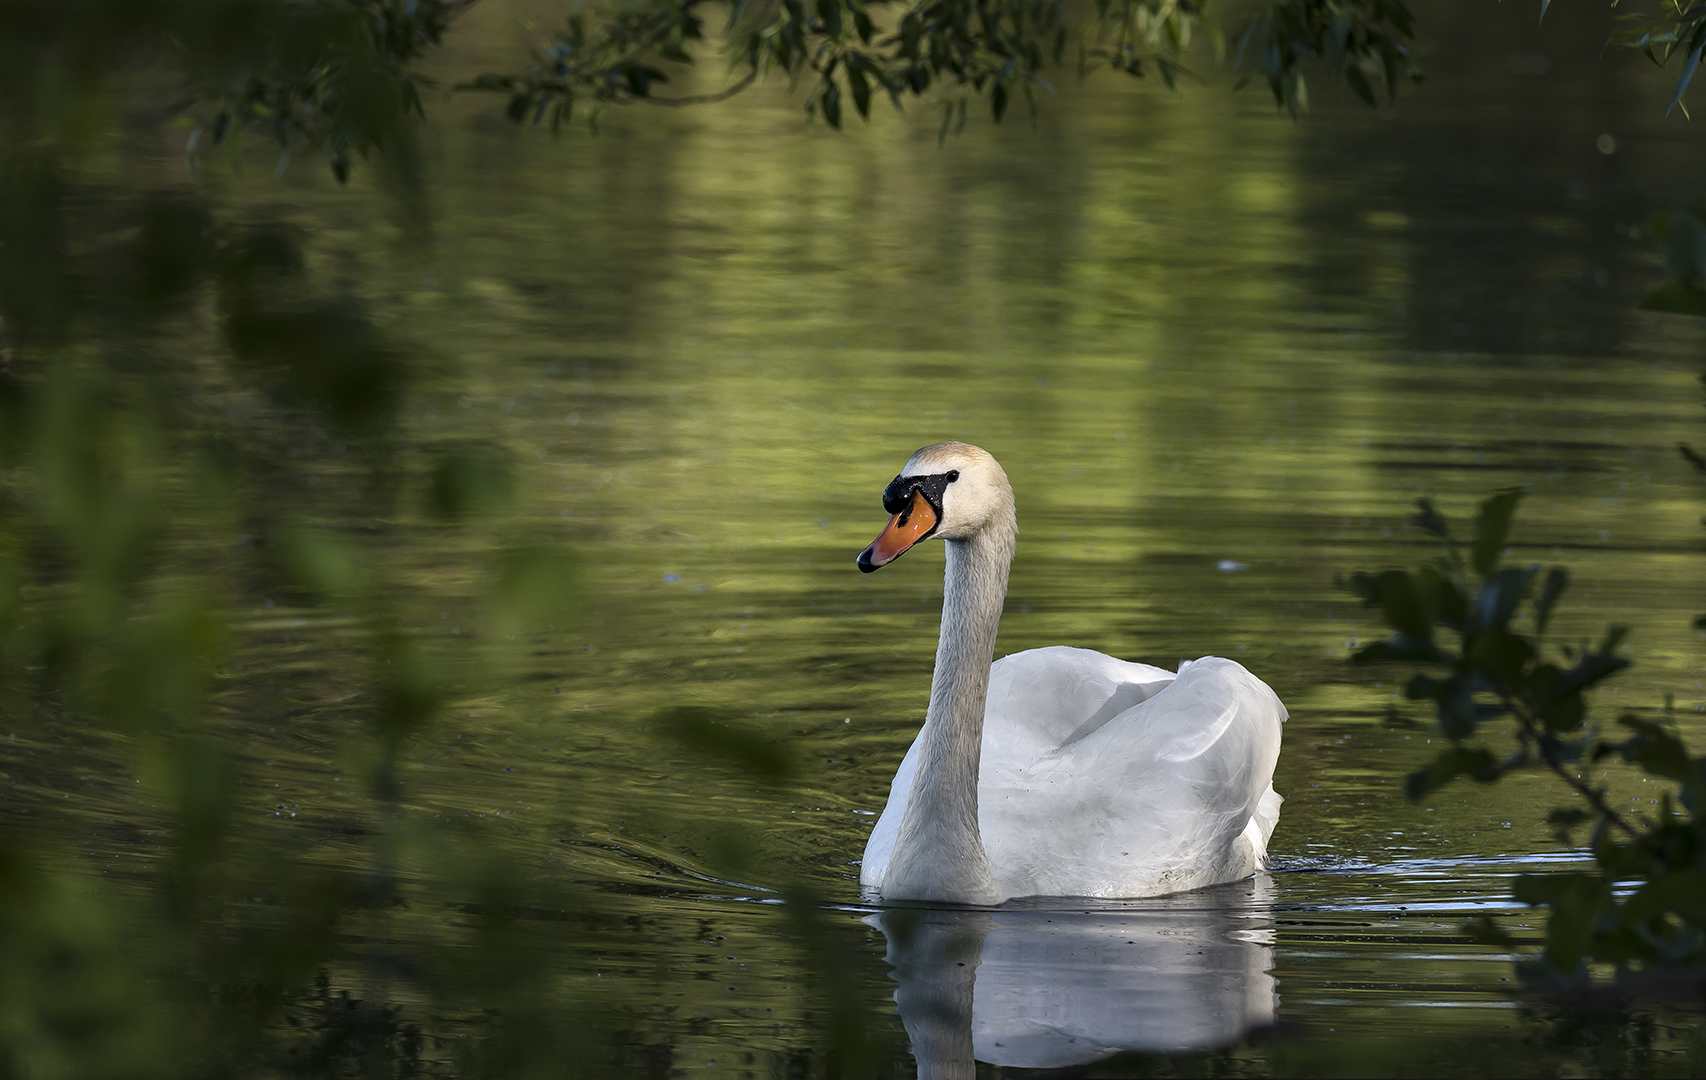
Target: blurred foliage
1483 623
194 422
1682 245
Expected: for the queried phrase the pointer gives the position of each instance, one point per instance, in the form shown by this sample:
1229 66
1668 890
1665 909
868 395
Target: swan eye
953 474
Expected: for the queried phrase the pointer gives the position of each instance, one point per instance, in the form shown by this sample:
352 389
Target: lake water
1219 353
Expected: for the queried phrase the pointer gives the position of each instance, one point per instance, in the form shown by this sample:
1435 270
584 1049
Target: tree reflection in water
1035 986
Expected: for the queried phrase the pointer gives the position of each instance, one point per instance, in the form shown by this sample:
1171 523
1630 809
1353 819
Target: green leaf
533 588
1423 687
1448 766
473 478
1488 932
1430 520
1500 653
1687 74
201 778
411 687
1398 648
1440 597
1657 751
1402 605
1243 44
1676 297
1556 580
1501 594
831 104
1455 708
1589 670
1681 893
1614 635
320 561
1491 527
1559 706
861 88
1576 902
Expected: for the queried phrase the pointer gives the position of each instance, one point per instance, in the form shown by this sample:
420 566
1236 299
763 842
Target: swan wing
1038 700
1043 699
1158 798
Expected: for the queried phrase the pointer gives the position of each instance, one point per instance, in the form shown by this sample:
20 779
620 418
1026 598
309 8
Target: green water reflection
1218 353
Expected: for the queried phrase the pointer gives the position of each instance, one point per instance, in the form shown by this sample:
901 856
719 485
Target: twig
1531 728
704 99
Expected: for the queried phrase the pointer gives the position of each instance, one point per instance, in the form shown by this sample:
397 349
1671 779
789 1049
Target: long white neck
938 854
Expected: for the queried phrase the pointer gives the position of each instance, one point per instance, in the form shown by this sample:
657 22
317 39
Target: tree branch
1533 729
705 99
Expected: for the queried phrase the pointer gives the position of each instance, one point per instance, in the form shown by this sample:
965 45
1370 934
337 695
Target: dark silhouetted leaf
1688 69
1397 648
1691 457
1448 766
1484 930
1491 528
1430 520
472 478
1658 751
1575 902
1677 298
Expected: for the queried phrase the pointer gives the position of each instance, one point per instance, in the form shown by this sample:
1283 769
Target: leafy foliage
1363 44
323 76
1481 625
338 76
1675 26
854 50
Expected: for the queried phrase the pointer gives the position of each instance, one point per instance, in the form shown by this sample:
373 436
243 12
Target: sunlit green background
667 369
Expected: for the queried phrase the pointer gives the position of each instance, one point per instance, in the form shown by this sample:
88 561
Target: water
1219 354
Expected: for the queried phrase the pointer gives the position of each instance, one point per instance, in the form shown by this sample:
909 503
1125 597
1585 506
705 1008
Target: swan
1057 771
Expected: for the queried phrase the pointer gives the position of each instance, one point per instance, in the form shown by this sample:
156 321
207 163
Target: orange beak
905 529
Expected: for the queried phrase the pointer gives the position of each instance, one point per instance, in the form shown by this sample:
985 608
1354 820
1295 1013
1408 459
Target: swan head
951 490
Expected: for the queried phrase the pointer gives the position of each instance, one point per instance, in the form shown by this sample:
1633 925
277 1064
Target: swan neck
974 588
939 852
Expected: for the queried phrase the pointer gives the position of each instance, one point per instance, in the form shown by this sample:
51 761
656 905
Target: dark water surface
1219 354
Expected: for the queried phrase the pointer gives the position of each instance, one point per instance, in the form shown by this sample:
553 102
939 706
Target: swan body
1058 771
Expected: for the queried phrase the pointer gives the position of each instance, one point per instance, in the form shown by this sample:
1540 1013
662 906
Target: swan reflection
1028 987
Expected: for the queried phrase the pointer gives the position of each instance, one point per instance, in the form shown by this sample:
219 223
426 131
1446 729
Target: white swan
1058 771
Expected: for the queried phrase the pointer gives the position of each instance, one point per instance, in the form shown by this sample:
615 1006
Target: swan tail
1259 829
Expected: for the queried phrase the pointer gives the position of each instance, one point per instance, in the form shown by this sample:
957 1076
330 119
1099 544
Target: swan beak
905 529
